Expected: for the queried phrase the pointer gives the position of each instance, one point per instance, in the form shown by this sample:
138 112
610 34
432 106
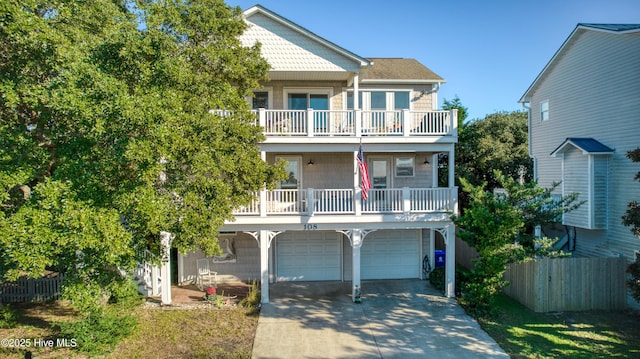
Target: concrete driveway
397 319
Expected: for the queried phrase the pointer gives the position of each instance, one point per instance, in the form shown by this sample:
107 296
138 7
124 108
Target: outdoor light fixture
310 163
426 162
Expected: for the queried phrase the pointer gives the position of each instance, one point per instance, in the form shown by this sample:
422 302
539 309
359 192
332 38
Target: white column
356 90
262 196
450 266
165 271
356 243
264 266
452 167
434 170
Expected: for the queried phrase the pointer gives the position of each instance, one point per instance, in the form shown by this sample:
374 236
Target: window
350 100
378 100
293 168
260 100
544 111
401 100
405 166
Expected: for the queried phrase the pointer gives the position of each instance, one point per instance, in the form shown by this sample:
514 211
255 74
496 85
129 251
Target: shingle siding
288 50
593 91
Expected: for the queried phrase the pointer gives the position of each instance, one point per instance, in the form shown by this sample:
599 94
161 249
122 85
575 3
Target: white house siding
245 269
576 180
600 191
589 96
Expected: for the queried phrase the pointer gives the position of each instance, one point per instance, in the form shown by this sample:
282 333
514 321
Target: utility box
440 257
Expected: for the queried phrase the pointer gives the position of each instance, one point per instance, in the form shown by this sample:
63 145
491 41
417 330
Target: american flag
365 181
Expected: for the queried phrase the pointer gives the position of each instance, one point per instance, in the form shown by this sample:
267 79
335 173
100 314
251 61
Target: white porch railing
312 201
357 123
148 275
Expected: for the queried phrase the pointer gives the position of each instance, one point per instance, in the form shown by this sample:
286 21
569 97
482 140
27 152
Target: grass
526 334
204 332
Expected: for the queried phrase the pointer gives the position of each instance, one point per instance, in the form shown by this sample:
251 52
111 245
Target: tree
499 141
500 227
631 218
456 104
107 136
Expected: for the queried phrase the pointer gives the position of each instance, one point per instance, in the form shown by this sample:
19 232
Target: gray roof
612 27
586 145
404 70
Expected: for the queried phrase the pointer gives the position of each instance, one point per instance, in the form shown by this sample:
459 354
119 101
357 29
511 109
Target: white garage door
390 254
308 256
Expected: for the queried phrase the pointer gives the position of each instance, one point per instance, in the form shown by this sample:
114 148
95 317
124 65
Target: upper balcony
282 125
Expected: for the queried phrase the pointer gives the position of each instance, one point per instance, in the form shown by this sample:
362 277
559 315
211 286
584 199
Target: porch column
264 266
452 166
450 266
165 271
262 196
356 89
434 170
356 285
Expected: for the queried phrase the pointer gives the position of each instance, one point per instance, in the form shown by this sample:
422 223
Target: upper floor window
401 100
260 100
544 111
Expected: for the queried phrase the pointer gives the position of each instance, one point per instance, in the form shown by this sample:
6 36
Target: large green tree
499 141
500 226
631 218
107 136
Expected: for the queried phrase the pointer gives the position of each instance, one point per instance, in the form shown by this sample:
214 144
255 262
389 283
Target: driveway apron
396 319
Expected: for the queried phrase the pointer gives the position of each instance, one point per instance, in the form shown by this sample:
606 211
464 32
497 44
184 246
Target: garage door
308 256
392 254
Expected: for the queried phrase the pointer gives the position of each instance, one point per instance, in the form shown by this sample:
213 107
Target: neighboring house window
405 166
544 111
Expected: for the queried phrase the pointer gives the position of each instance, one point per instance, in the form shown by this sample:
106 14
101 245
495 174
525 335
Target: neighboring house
584 115
322 104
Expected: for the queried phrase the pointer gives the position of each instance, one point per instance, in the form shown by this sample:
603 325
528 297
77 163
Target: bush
253 298
634 282
8 316
100 331
124 293
436 278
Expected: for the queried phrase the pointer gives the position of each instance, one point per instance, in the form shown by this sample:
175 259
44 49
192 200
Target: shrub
99 331
124 293
634 282
253 298
8 316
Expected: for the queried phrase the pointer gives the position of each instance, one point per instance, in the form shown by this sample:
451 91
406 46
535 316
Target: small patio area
186 294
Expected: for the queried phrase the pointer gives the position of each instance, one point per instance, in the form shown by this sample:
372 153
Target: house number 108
310 227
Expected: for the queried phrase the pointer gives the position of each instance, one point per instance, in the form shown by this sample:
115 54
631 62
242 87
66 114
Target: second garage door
390 254
308 256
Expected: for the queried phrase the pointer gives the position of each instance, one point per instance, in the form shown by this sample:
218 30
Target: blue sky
488 51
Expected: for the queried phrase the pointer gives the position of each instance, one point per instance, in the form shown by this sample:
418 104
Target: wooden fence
561 284
568 284
31 290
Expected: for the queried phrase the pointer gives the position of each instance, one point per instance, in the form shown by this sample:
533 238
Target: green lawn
526 334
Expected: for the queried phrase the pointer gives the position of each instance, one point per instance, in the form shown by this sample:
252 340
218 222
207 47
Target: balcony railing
357 123
312 201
